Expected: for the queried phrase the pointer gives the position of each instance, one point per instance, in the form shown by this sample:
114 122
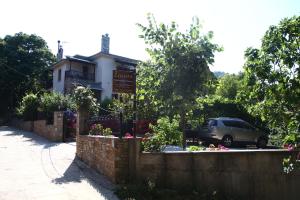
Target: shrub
84 99
97 129
166 132
54 101
195 148
106 104
28 108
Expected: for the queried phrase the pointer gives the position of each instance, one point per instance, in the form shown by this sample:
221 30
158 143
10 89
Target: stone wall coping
225 151
109 137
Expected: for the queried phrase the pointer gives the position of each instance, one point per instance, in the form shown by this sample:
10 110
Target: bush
85 101
194 148
54 101
28 108
97 129
105 105
166 132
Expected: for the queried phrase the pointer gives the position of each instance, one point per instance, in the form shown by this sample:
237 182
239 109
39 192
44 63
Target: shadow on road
29 137
77 170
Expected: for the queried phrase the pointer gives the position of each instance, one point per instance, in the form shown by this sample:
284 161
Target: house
95 72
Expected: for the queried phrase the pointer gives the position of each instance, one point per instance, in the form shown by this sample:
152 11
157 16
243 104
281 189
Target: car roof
227 118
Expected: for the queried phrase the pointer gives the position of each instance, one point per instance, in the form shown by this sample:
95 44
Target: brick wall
23 125
53 132
108 155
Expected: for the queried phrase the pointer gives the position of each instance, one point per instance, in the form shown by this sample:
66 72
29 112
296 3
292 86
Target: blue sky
237 24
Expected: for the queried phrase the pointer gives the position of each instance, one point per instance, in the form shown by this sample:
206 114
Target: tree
24 67
228 86
179 66
272 77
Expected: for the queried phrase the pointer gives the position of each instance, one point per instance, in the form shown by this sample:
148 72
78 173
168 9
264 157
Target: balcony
79 75
74 77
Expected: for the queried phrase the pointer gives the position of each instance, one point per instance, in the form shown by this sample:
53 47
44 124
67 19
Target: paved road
34 168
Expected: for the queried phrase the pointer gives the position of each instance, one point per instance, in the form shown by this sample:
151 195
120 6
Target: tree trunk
182 124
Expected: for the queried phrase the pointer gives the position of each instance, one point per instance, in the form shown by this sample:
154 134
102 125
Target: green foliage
97 129
194 148
85 101
148 81
271 86
216 106
105 105
292 139
28 108
166 132
53 101
178 71
124 104
289 164
25 62
228 86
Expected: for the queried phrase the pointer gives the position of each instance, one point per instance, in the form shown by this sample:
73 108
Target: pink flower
222 147
290 148
128 135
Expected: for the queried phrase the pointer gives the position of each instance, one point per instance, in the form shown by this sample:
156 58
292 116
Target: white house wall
104 74
58 86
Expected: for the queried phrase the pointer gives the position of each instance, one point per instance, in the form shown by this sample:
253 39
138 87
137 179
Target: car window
248 126
212 123
232 123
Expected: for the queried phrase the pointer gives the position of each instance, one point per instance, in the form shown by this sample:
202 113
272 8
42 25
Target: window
248 126
85 71
212 123
235 124
59 75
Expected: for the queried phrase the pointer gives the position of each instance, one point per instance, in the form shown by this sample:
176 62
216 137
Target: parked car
228 131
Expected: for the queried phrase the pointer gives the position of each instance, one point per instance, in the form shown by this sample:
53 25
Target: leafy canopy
178 71
272 77
25 62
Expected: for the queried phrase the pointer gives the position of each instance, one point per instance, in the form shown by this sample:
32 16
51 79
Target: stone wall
53 132
244 174
241 174
23 125
108 155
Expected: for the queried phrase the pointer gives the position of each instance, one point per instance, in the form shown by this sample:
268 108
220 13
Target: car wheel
227 141
261 143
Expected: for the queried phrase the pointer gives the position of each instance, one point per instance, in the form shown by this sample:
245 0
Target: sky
79 24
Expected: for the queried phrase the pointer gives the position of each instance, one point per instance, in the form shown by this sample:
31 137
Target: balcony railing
79 75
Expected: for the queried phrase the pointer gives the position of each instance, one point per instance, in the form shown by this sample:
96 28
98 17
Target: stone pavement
31 168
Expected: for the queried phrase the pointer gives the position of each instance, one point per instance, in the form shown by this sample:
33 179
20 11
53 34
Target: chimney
105 44
60 51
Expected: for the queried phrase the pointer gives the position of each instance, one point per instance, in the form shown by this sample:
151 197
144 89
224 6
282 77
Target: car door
249 134
231 128
237 130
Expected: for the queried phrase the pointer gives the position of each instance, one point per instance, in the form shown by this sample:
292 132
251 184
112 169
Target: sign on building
123 81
